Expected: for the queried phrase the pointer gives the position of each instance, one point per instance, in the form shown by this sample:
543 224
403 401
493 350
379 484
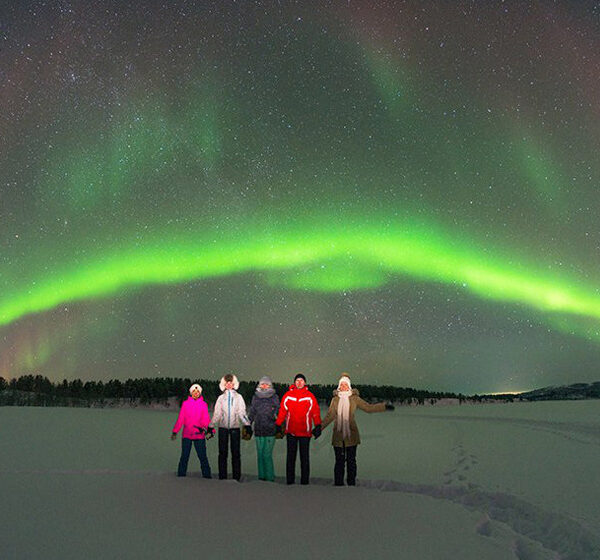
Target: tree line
37 390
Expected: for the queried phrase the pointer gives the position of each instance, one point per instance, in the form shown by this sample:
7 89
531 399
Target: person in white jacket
229 413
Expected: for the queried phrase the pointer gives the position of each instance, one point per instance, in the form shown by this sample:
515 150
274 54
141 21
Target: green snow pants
264 456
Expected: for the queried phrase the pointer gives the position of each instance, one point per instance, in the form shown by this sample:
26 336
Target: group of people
297 417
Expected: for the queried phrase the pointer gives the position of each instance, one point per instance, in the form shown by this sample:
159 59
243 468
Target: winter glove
280 432
209 432
389 407
316 431
173 435
200 429
247 432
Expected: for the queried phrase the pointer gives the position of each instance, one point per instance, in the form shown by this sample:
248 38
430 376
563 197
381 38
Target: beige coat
337 439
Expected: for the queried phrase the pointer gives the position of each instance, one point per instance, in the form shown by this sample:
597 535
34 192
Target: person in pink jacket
194 418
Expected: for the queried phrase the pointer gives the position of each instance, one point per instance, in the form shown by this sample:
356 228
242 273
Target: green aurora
350 256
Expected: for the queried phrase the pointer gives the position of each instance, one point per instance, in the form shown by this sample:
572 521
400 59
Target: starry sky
405 191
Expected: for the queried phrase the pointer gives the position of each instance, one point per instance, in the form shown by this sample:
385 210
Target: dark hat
299 376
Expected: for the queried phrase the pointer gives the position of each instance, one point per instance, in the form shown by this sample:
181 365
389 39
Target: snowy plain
493 481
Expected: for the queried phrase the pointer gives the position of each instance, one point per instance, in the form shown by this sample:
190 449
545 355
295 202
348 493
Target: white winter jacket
230 408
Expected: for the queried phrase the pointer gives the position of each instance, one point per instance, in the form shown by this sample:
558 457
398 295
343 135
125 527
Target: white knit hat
346 379
194 387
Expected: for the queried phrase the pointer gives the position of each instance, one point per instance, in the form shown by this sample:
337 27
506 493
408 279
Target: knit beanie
266 380
194 387
299 376
347 380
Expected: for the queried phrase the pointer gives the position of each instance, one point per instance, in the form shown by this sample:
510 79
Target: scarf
265 393
343 413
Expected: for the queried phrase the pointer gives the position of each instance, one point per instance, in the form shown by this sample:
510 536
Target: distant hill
576 391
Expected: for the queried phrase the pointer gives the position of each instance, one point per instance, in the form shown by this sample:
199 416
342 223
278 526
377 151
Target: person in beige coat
345 437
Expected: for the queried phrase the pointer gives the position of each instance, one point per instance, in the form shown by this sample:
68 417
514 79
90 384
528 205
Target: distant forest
30 390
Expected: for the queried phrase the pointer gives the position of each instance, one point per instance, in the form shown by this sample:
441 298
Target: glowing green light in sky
391 81
329 259
32 353
542 171
142 144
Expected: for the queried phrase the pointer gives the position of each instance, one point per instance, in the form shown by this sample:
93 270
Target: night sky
406 191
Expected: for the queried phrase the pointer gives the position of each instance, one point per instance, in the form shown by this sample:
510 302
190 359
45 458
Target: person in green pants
262 414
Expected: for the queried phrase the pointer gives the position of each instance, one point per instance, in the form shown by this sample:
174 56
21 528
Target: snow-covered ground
459 482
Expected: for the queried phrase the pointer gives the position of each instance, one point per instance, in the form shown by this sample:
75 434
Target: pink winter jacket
194 412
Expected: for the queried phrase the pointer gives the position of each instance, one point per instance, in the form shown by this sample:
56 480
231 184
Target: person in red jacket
300 410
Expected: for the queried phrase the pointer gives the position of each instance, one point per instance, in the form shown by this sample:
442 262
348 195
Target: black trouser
292 447
345 457
186 447
225 435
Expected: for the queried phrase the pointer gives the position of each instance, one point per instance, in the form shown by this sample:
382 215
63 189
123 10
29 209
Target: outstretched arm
363 405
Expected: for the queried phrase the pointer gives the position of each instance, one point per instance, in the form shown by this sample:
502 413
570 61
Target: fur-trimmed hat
195 386
236 383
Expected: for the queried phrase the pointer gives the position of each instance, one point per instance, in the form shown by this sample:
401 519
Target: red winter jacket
299 409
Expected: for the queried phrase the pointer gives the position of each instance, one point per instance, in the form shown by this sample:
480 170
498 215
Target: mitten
246 432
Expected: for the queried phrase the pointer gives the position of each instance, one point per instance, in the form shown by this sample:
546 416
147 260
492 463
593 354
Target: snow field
510 481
